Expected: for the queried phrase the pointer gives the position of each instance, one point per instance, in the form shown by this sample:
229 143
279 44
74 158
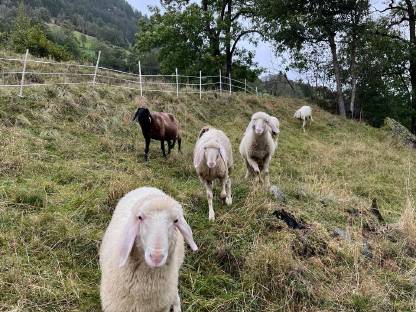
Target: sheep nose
211 164
156 257
259 130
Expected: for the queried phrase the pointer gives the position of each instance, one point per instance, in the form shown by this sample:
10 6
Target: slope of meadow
67 154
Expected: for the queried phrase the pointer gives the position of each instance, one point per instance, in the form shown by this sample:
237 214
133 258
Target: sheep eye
176 221
140 218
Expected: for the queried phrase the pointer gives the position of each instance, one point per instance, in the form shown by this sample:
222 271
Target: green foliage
179 37
194 37
383 83
26 35
113 21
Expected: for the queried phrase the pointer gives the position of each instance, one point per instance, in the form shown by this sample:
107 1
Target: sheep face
143 116
297 114
212 154
259 126
262 122
152 228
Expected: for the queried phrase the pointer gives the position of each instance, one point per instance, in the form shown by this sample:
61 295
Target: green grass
68 154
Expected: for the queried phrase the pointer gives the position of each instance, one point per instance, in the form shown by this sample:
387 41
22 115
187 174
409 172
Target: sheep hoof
211 216
229 201
223 195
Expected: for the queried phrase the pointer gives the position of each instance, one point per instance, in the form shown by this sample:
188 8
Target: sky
264 53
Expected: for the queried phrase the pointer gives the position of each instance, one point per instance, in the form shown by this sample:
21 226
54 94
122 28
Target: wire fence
24 72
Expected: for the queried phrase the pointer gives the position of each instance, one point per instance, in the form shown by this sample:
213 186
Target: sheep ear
272 125
150 119
203 130
223 154
131 232
198 157
186 232
136 115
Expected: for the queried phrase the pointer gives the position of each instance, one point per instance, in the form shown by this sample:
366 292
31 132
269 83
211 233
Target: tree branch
241 35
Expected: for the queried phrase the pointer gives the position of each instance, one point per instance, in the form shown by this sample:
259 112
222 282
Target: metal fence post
140 79
96 68
177 83
22 81
220 82
229 79
200 84
257 92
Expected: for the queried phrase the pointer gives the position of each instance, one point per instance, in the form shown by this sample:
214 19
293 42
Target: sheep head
261 122
143 116
211 153
152 228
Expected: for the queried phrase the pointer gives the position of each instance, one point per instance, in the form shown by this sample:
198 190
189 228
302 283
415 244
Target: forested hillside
112 21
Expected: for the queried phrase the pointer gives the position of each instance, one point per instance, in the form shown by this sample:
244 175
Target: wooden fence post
22 81
140 79
177 83
200 84
96 68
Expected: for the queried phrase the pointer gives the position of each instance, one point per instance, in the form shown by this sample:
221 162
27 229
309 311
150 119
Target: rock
290 219
278 194
367 250
400 132
341 234
376 211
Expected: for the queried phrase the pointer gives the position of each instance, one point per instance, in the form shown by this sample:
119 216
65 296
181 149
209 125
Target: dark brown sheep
158 126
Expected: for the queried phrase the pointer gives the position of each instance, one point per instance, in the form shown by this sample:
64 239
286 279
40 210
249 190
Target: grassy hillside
69 153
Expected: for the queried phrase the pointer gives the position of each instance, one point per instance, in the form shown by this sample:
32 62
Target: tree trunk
337 71
412 62
353 74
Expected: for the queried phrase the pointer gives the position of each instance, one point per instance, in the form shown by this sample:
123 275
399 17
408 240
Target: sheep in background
304 113
258 145
213 159
141 253
158 126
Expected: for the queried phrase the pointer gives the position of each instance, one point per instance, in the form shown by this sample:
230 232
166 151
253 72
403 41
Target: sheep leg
253 165
176 307
249 172
162 146
266 172
228 199
146 149
303 124
173 144
211 213
224 190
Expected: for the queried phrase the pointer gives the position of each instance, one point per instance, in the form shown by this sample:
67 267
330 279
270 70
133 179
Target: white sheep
304 113
213 159
258 145
141 253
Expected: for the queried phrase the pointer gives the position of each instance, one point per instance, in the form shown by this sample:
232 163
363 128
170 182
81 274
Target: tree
402 13
19 36
296 24
383 80
209 32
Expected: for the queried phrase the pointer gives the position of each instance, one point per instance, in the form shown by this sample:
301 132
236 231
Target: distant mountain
113 21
